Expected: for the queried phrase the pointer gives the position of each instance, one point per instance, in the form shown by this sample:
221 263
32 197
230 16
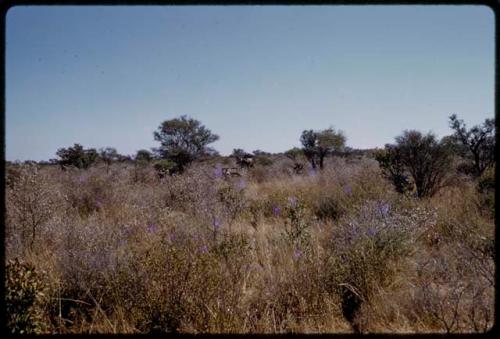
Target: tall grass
334 251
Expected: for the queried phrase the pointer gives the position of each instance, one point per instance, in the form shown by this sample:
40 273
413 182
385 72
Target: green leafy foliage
422 157
143 156
183 140
166 167
77 156
318 144
24 292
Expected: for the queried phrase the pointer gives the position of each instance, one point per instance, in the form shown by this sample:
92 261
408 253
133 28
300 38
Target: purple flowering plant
218 170
241 184
217 223
152 228
347 190
384 209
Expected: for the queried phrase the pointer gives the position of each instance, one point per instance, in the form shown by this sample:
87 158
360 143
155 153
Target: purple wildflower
98 204
297 253
203 249
347 190
152 228
372 232
216 223
172 237
218 170
384 209
312 172
292 201
241 184
277 211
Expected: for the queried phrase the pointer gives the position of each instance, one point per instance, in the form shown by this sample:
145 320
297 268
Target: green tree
329 141
76 156
183 140
308 140
294 154
423 157
143 156
238 153
108 155
318 144
479 143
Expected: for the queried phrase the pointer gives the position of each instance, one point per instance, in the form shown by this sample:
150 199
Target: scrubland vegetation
383 241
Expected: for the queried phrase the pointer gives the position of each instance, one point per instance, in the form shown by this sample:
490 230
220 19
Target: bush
426 160
23 298
30 203
393 168
89 193
367 251
77 156
264 161
166 167
486 188
477 144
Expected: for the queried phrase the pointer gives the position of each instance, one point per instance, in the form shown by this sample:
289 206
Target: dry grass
271 252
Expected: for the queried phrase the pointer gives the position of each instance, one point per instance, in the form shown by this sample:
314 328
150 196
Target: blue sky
255 75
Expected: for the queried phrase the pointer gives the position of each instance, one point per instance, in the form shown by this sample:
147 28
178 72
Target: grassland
118 250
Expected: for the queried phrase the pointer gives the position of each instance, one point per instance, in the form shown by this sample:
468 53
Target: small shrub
30 203
327 207
426 160
165 167
264 161
24 292
486 188
366 253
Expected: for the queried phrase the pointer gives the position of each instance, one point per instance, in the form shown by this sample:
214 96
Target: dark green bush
424 158
77 156
486 188
264 161
24 292
165 167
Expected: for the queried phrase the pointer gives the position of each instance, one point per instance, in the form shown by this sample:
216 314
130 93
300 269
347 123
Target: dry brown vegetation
336 251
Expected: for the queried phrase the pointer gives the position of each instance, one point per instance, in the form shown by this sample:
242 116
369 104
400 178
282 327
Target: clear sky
255 75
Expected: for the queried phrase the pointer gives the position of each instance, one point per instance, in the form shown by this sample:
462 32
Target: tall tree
183 140
308 140
479 142
76 156
318 144
329 141
143 156
108 155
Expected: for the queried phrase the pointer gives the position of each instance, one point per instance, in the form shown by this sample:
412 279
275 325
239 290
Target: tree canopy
318 144
76 156
183 140
478 142
423 157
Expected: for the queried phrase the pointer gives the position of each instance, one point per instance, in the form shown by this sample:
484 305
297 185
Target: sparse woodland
316 240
